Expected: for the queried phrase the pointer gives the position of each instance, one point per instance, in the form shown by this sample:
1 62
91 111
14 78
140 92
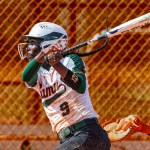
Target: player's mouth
30 57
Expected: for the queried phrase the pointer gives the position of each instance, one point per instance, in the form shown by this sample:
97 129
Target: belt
75 127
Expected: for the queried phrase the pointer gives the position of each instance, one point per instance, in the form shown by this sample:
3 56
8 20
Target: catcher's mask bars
48 34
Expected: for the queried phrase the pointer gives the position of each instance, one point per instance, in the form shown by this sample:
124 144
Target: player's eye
26 40
32 42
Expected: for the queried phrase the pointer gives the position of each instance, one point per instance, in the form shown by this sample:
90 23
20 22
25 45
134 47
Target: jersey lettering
48 91
61 90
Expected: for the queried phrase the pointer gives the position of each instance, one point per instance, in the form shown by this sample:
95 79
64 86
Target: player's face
33 48
32 51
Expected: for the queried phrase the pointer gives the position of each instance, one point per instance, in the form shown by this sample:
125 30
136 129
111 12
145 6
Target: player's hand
53 58
53 54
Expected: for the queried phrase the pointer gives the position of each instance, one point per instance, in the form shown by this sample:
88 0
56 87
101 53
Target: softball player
62 84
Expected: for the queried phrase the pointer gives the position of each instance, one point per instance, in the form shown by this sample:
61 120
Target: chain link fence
119 76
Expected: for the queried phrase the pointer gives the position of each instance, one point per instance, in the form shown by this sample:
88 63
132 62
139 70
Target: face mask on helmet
49 33
24 49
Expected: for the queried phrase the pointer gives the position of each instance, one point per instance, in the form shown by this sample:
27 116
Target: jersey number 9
65 108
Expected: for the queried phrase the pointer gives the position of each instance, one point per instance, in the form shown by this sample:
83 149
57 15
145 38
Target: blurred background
119 75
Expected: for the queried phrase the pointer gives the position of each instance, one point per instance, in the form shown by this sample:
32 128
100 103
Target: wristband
72 80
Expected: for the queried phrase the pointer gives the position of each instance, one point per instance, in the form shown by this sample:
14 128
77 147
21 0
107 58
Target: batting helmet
48 32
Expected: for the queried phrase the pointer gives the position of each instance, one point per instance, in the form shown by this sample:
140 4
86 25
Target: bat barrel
127 26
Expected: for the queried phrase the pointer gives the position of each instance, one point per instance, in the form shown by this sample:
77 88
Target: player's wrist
40 57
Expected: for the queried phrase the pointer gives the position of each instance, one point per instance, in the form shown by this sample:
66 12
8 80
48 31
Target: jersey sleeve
29 74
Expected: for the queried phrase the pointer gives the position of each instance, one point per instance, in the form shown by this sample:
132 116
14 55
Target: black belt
73 128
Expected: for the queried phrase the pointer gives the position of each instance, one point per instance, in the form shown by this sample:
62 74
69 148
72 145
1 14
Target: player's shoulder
72 56
75 59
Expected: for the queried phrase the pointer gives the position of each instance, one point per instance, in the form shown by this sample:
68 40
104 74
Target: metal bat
125 27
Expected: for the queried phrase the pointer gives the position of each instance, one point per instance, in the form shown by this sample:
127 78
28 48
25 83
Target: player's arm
72 77
29 74
75 77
